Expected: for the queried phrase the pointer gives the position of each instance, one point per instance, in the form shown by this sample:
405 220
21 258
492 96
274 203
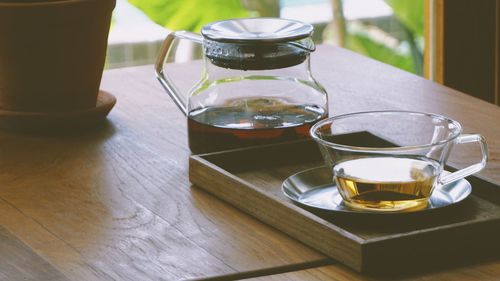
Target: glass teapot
256 86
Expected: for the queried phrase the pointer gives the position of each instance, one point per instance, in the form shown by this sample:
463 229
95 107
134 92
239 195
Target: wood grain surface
115 203
19 263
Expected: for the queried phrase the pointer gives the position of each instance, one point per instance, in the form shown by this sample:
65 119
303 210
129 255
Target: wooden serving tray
251 179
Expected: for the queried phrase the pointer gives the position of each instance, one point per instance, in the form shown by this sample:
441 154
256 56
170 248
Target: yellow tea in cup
386 182
397 174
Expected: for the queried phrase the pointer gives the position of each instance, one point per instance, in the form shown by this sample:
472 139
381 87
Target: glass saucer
315 189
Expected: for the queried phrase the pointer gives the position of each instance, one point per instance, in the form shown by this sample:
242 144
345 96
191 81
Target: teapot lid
257 43
257 30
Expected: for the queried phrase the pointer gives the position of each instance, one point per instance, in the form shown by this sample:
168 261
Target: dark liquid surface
248 123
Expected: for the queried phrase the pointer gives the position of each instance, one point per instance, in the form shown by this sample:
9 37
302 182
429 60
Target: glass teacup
399 174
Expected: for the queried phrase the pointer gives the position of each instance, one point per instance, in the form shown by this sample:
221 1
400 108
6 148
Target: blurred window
387 30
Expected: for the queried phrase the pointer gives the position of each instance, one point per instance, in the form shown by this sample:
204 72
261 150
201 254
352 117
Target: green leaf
190 15
363 44
410 13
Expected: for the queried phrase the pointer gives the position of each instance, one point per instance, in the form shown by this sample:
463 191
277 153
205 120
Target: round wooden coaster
58 121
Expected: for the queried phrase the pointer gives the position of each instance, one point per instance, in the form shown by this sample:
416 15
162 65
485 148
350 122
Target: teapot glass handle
165 81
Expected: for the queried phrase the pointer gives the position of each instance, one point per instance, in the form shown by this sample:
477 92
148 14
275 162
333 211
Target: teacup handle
472 169
165 81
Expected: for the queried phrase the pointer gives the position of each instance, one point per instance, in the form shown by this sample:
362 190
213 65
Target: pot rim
46 3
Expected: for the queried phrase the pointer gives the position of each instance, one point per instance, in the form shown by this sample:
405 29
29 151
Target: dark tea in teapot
247 122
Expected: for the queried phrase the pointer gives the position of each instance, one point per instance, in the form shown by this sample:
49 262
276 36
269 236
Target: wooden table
115 203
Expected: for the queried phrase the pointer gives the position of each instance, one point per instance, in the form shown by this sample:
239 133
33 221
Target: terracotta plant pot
52 53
